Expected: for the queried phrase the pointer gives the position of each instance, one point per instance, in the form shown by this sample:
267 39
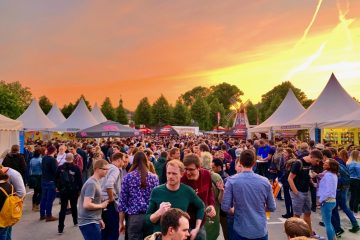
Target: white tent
9 133
98 115
289 109
55 115
334 102
34 118
80 119
351 120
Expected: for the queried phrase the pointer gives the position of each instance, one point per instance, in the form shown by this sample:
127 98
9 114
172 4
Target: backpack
11 211
66 180
344 176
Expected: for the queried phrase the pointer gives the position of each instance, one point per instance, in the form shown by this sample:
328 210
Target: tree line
198 106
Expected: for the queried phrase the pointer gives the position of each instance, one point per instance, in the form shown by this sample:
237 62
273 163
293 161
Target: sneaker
60 232
338 233
42 218
317 236
51 219
354 229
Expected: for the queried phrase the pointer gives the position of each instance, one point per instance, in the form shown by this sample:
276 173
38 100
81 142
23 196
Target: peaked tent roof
333 103
97 114
34 118
55 115
351 120
8 124
289 109
79 119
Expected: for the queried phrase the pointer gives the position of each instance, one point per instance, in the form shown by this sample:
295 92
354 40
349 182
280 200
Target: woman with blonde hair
353 165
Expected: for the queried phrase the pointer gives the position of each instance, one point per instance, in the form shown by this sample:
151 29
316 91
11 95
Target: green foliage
161 112
215 107
306 103
271 100
121 115
181 114
143 113
200 112
68 109
226 94
14 99
251 113
189 97
9 105
45 104
108 109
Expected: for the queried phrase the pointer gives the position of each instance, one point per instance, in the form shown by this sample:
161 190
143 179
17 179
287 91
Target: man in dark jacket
159 167
15 161
68 181
48 167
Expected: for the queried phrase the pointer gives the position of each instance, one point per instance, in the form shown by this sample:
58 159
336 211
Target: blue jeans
91 231
5 233
230 226
341 200
47 198
326 212
110 217
238 237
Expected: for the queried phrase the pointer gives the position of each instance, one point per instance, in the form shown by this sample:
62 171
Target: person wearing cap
48 167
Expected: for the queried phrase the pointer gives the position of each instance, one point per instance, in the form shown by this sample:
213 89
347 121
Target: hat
320 146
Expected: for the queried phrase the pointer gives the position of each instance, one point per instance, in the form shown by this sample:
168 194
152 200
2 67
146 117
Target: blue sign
21 141
317 135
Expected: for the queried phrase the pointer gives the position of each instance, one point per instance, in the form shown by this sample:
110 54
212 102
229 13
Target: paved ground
31 228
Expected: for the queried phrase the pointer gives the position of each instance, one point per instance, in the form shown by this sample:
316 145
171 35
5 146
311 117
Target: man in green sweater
174 194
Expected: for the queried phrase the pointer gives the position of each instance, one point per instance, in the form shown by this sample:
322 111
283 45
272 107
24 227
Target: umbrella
107 129
166 131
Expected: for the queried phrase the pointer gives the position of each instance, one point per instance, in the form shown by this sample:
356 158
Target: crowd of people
185 187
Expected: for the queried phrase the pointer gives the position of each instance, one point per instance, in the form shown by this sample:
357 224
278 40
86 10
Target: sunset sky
134 49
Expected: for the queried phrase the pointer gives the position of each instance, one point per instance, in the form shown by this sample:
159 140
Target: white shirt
61 159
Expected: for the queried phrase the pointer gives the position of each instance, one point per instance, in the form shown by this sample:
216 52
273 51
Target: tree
143 113
252 113
108 109
189 97
68 109
226 94
200 113
161 112
181 114
15 99
45 104
121 115
271 100
306 103
215 107
9 104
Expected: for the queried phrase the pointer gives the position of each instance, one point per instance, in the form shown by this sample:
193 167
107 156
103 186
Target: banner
21 141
